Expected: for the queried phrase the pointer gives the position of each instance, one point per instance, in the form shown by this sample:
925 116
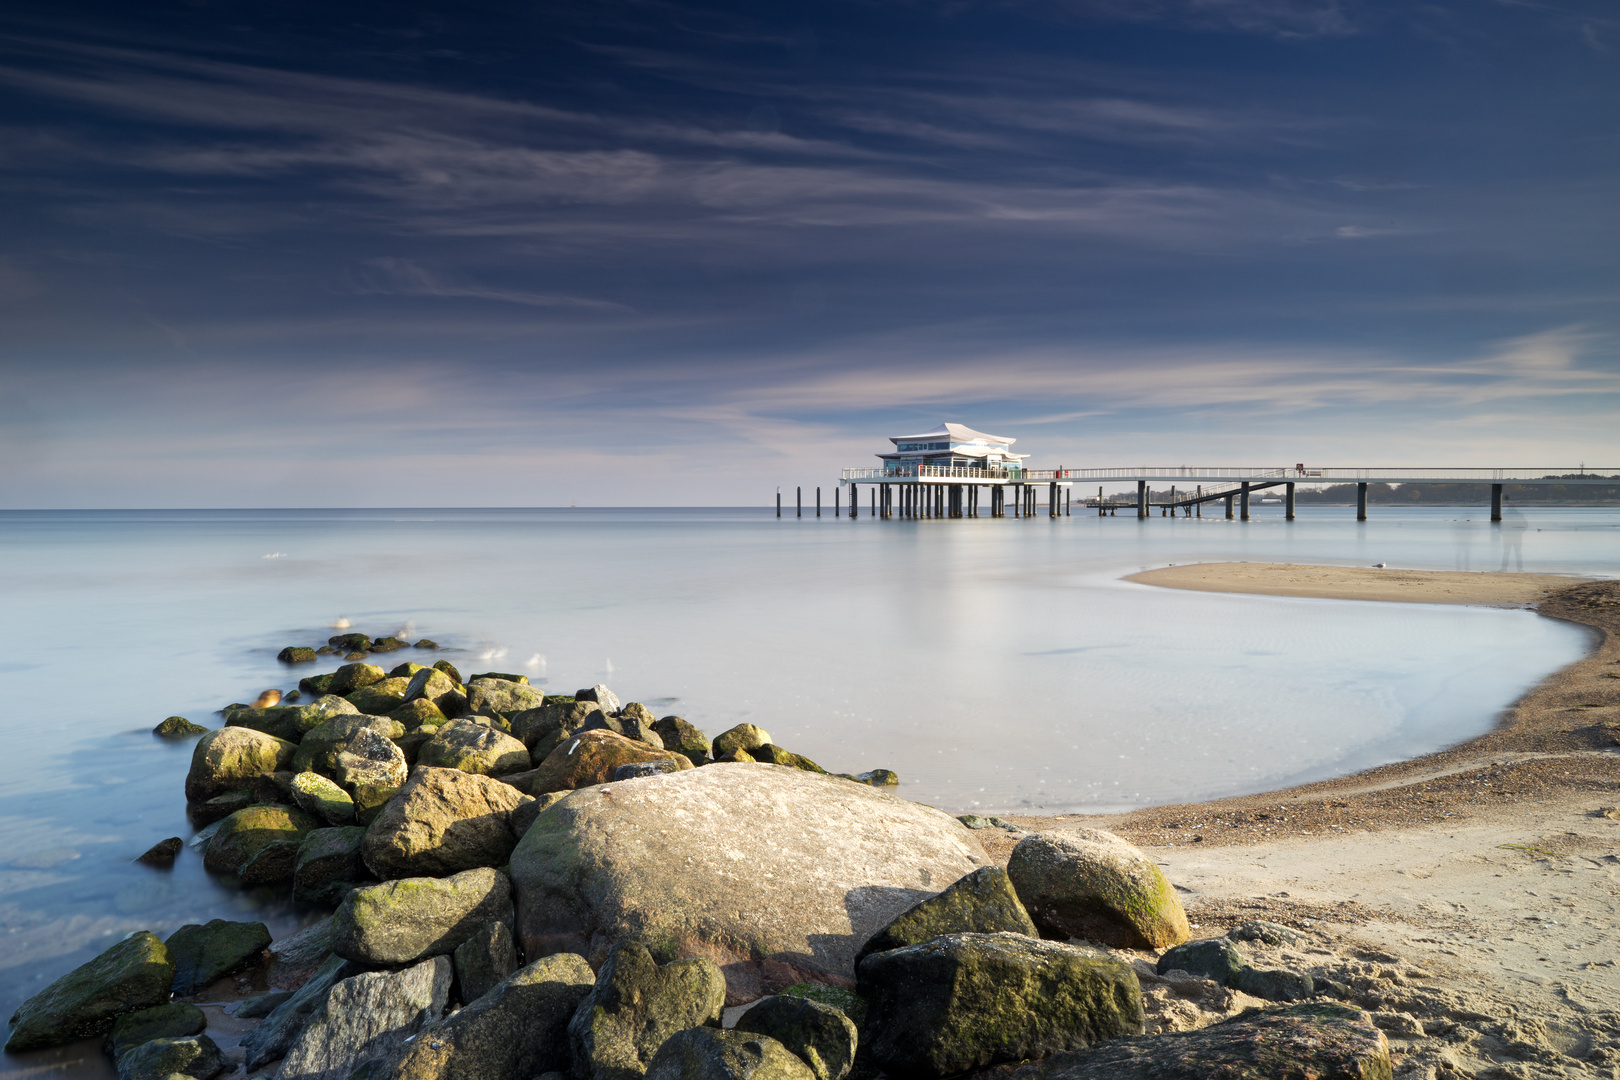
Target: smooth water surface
996 664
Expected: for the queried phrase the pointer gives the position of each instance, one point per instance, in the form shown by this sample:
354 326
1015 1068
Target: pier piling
1496 502
1288 512
1361 501
1243 500
1141 498
798 502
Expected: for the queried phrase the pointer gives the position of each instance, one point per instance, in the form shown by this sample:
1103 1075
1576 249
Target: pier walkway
928 491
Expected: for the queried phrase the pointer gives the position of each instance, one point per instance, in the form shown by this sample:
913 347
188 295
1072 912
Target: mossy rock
178 727
635 710
821 1035
449 669
327 650
409 919
296 654
982 902
845 1001
503 676
349 642
162 853
708 1053
133 974
317 795
282 721
734 755
426 643
1091 884
775 755
742 737
351 677
406 671
354 750
636 1005
683 738
415 714
171 1021
220 807
317 685
387 644
441 689
474 748
232 759
501 697
369 799
329 864
195 1056
592 757
258 844
542 728
208 951
874 777
1212 958
377 701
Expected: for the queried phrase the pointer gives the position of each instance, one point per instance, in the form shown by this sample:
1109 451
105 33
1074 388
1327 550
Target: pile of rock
350 647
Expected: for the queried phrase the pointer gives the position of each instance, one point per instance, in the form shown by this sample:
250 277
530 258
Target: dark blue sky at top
249 252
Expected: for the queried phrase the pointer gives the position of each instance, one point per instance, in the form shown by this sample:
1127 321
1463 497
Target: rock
964 1001
318 684
178 727
258 844
983 902
406 671
434 685
591 758
1212 958
282 721
163 852
637 711
775 755
257 1008
442 822
327 650
220 807
516 1031
635 1006
484 959
501 675
329 864
735 756
706 1053
367 1016
195 1056
771 872
628 727
205 952
326 706
601 695
295 958
387 644
171 1021
676 734
426 643
1274 984
349 642
378 700
369 800
296 654
231 758
822 1036
449 669
1268 933
974 821
742 737
415 714
353 750
543 728
875 777
317 795
1298 1042
402 921
276 1033
642 769
474 748
501 697
1091 884
133 974
845 1001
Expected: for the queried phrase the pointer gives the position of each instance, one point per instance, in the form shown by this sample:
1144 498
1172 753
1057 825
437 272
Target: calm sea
997 665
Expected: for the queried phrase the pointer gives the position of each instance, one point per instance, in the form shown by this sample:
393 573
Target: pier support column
1102 510
818 500
854 502
1243 501
1288 512
838 495
872 509
1496 502
778 502
1229 508
1141 498
798 502
1361 502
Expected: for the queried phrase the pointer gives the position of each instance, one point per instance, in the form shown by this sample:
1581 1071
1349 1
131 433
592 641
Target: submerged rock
474 748
196 1056
515 1031
275 1035
1298 1042
983 902
426 643
444 821
231 759
365 1017
349 642
178 727
296 654
637 1004
133 974
484 959
1092 884
964 1001
409 919
162 853
591 757
205 952
821 1036
706 1053
747 864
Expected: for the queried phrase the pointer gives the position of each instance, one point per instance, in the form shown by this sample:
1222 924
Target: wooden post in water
1361 502
1229 508
1141 498
872 512
778 502
798 502
1200 502
854 502
1243 500
1288 511
1496 502
837 495
818 500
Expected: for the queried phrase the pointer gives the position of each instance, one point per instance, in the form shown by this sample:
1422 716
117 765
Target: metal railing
1236 474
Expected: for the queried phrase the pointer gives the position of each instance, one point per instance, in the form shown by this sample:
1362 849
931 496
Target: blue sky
482 254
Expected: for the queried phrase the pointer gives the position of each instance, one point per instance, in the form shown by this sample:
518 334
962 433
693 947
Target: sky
664 253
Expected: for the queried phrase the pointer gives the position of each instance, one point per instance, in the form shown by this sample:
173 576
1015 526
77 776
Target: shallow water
995 664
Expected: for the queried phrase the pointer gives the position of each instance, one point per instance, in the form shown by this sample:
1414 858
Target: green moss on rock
205 952
133 974
178 727
174 1020
296 654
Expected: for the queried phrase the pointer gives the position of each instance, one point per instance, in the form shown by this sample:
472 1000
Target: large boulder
354 751
501 697
195 1056
436 686
543 728
680 736
983 902
351 677
402 921
706 1053
964 1001
473 748
259 844
822 1036
776 874
317 795
232 759
1319 1041
329 864
208 951
592 757
172 1021
365 1017
275 1034
133 974
517 1030
1094 885
635 1006
444 821
484 959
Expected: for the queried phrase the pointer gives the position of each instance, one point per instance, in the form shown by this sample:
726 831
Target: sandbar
1360 583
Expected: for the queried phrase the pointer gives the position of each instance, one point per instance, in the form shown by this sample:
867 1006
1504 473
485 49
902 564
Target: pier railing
1237 474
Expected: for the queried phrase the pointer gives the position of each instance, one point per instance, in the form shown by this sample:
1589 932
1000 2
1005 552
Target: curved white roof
956 433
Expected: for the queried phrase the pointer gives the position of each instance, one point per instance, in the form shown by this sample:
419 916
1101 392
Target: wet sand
1480 885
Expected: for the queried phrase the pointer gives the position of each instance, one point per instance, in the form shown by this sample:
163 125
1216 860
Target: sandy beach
1476 888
